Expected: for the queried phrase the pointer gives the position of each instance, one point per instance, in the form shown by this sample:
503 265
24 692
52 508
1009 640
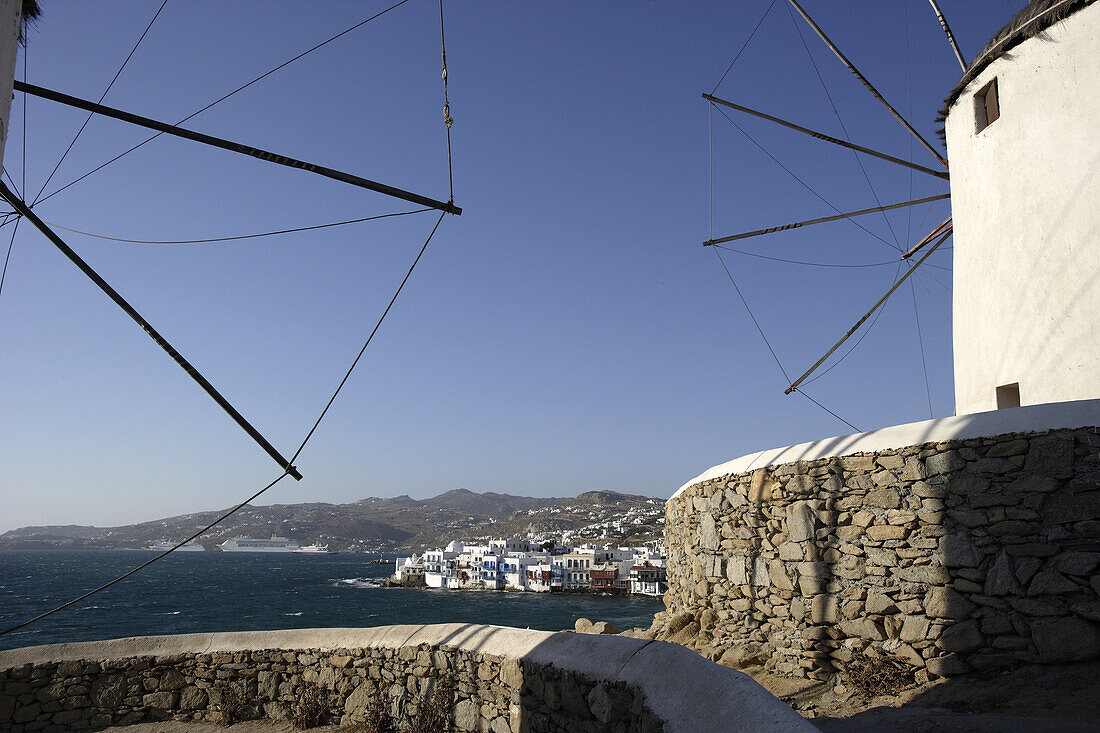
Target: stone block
1077 563
1008 448
942 463
1052 454
863 628
949 665
850 567
801 519
946 603
778 574
1063 508
879 603
880 532
1034 484
883 499
1066 640
760 575
708 532
193 698
956 550
1051 582
914 628
931 574
165 700
736 571
823 610
791 551
964 636
800 485
1000 578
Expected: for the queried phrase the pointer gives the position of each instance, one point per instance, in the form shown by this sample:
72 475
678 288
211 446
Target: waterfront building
648 579
409 568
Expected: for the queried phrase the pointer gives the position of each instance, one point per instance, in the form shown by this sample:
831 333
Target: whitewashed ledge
685 691
1029 419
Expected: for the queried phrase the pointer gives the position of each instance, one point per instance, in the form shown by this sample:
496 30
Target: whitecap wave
358 582
299 613
171 613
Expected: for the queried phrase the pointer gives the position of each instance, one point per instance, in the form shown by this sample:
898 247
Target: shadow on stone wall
495 679
964 555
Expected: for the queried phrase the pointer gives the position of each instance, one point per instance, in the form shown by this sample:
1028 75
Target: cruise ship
248 544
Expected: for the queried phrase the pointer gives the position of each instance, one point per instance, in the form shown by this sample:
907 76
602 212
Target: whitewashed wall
1026 206
9 49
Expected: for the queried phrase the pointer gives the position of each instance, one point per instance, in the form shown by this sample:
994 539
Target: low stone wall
975 553
496 679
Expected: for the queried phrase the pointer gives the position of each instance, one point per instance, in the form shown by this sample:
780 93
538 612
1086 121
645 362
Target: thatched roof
1036 17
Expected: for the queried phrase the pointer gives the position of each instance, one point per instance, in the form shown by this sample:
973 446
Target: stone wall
961 555
498 679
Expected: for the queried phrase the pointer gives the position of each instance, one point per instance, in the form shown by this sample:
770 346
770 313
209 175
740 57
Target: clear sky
568 332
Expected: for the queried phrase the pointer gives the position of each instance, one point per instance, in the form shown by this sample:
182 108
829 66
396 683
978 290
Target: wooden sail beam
21 207
827 138
822 220
861 321
944 225
948 33
870 87
163 127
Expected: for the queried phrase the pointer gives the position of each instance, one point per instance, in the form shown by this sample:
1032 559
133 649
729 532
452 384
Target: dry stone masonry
962 555
488 679
490 693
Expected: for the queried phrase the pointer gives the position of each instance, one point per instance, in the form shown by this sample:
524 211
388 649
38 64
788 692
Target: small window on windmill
987 106
1008 395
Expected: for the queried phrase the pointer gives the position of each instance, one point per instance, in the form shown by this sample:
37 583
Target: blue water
214 591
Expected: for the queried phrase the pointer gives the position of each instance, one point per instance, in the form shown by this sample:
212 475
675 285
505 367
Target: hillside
383 524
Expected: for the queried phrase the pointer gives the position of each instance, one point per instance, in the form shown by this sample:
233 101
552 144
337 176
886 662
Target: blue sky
566 333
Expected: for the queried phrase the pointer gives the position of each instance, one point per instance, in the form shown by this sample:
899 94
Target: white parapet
1030 419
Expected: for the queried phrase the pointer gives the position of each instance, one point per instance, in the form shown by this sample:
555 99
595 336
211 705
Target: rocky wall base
954 556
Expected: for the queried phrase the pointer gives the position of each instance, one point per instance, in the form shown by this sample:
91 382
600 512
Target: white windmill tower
1025 201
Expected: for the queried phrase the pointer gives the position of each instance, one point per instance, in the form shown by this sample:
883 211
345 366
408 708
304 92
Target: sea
188 592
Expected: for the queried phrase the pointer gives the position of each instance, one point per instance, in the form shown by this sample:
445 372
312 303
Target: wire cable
11 180
933 297
226 96
866 331
11 243
802 262
23 162
844 129
744 46
795 176
447 120
753 317
283 475
920 340
147 563
367 342
239 236
101 98
826 409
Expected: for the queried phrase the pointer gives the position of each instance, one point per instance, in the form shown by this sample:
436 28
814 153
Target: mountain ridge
377 524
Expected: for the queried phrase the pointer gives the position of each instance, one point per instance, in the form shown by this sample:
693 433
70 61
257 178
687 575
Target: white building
409 568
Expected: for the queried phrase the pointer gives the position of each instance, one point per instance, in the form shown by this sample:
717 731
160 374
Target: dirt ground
1063 699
